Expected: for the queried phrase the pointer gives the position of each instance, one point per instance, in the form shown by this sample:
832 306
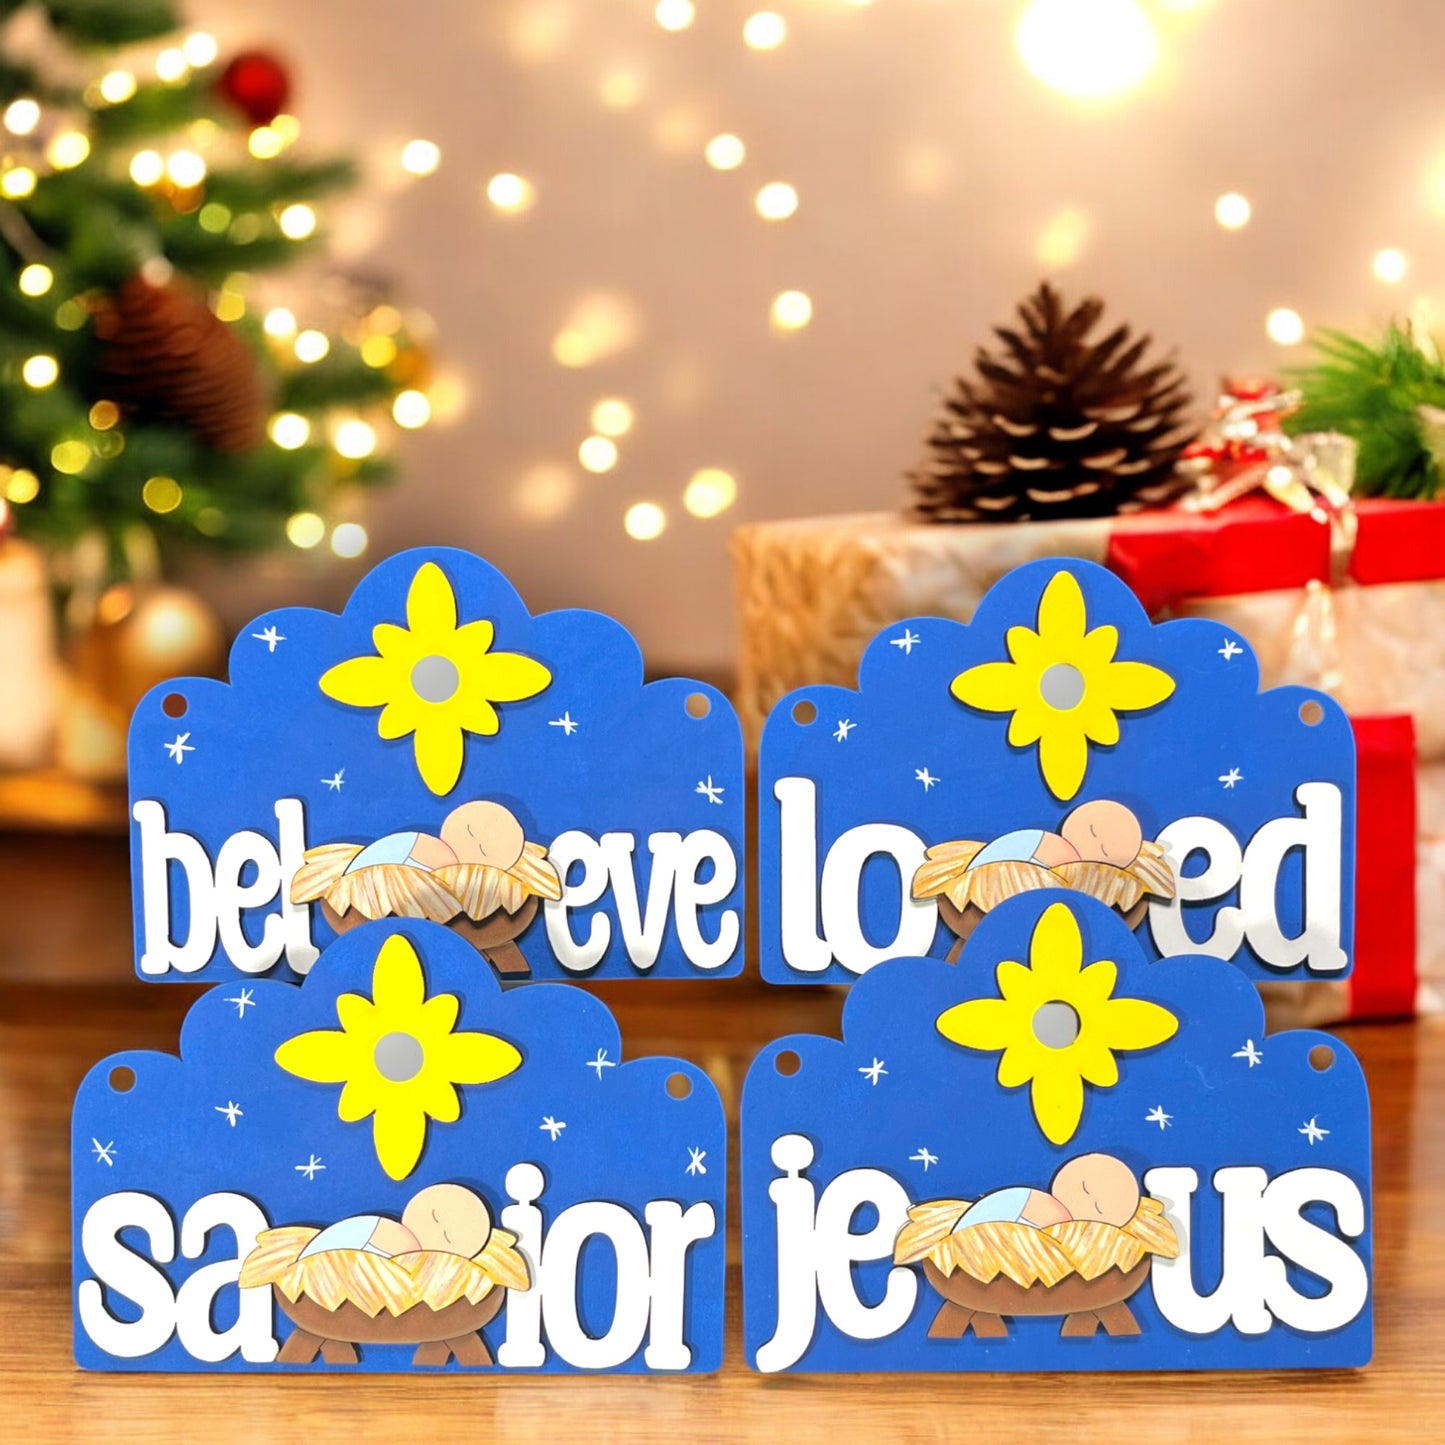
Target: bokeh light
644 521
1232 211
710 492
511 194
776 201
1390 265
1089 49
1284 327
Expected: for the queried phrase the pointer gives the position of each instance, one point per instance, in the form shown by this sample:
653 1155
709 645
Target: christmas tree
147 402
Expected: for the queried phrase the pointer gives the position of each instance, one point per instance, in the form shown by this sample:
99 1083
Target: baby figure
1092 1186
476 832
1101 831
445 1217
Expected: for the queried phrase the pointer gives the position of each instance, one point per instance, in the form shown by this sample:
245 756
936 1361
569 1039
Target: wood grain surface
50 1033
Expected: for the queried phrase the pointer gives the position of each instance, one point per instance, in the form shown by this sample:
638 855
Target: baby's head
1104 831
1097 1187
483 832
448 1217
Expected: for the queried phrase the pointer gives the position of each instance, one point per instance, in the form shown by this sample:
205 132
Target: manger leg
338 1352
508 960
1118 1319
433 1352
989 1327
301 1348
1082 1324
470 1349
1135 916
952 955
950 1322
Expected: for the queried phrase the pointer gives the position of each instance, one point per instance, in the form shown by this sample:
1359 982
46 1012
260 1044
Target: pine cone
165 356
1058 427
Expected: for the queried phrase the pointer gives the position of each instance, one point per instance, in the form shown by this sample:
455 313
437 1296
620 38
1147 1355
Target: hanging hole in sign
804 712
1322 1056
173 705
1056 1024
122 1079
1062 686
1311 713
787 1063
679 1086
698 704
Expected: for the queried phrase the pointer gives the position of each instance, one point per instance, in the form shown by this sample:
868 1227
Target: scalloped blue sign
437 752
398 1166
1060 741
1056 1156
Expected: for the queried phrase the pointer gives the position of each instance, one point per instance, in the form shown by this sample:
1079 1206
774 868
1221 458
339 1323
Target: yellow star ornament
1057 1024
434 679
1062 686
398 1058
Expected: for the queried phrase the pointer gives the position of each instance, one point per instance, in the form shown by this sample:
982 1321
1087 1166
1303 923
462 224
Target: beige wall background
937 181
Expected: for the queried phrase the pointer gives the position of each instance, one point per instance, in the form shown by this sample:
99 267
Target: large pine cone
1059 426
166 357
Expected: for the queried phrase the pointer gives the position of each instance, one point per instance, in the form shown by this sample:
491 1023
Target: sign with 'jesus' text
1058 744
436 752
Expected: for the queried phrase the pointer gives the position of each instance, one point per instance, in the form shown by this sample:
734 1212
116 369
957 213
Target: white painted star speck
243 1001
907 642
566 722
924 1158
694 1160
270 637
311 1167
1312 1131
1232 777
179 748
553 1126
601 1062
335 781
710 790
1248 1052
232 1110
1156 1115
845 726
1230 650
873 1070
926 778
103 1152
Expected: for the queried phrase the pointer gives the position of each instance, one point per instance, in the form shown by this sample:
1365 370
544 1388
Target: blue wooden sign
398 1166
436 752
1055 1155
1058 742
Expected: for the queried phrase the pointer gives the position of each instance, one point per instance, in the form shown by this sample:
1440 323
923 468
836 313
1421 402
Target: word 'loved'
255 922
820 913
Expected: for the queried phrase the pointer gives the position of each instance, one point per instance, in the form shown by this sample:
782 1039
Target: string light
510 193
104 415
1232 211
378 351
349 539
210 521
18 183
67 149
420 157
147 167
764 31
229 305
612 417
725 152
161 494
40 371
1284 327
674 14
545 493
597 454
186 168
70 458
265 143
385 319
1390 266
305 530
22 485
297 221
1088 49
310 346
620 90
214 217
792 310
71 315
776 201
354 439
1063 238
289 430
35 279
172 65
246 228
117 87
199 48
644 521
22 116
411 409
710 492
287 127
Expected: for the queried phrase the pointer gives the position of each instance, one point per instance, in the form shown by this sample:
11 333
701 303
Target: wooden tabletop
51 1032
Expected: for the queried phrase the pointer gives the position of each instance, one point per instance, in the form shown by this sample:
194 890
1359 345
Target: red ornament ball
257 84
